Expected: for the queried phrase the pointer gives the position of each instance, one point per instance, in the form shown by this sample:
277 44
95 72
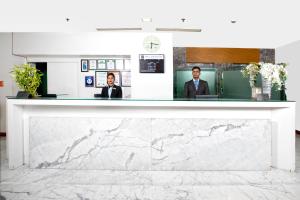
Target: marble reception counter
150 135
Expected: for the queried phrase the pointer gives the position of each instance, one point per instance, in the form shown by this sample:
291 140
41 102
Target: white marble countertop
154 103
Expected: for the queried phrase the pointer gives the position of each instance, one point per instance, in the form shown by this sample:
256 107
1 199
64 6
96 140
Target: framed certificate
101 64
110 64
119 64
84 66
126 79
100 79
127 64
92 64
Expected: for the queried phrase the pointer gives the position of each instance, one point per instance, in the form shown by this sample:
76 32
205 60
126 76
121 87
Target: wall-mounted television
152 63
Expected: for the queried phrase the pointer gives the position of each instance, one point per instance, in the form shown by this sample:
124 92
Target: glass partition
183 76
234 85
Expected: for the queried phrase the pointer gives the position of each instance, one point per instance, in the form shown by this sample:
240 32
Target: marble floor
24 183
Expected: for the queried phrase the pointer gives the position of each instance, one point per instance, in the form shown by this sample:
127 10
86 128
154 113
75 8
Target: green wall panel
234 85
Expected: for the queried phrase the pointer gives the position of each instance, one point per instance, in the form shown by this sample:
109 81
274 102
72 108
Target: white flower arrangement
251 71
274 73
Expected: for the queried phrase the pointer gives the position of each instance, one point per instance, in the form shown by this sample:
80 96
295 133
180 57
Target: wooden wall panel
221 55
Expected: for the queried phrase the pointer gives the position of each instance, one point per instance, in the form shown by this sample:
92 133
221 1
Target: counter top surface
206 102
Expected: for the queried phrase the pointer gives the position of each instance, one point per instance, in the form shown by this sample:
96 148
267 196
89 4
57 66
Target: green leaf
27 77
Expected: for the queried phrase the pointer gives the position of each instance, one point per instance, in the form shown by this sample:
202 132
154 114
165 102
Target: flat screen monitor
152 63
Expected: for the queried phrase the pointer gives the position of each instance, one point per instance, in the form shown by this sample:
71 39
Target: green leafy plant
27 77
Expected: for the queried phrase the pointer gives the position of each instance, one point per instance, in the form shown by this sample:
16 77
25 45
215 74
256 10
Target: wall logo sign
89 81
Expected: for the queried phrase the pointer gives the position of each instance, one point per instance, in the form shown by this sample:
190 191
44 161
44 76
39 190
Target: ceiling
259 23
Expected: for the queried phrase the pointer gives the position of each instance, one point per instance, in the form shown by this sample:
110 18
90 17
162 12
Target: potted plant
28 79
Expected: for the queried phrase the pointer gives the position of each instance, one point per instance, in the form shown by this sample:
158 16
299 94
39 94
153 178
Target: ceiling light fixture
179 29
119 29
146 19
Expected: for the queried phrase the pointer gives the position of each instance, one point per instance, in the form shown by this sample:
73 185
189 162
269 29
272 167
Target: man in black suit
111 90
196 86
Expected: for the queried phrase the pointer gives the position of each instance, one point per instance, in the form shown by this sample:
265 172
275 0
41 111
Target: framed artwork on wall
84 65
120 64
127 64
110 64
100 79
126 79
92 64
101 64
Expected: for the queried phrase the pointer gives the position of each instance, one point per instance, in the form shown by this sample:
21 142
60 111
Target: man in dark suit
196 86
111 90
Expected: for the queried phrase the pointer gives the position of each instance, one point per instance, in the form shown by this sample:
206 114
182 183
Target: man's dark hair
196 67
110 74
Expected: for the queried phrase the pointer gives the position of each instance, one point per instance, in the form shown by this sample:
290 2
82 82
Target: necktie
109 91
196 84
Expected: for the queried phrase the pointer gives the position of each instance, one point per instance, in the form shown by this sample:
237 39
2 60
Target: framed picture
151 63
92 64
100 79
126 79
84 65
117 77
119 64
127 64
89 81
101 64
110 64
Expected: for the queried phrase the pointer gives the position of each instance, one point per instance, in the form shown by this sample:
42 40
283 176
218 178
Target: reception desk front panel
151 135
149 143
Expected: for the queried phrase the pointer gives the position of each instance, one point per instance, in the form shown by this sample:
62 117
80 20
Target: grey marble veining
84 143
150 144
207 144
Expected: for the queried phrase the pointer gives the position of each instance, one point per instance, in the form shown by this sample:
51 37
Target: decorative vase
23 95
282 93
252 81
266 87
253 93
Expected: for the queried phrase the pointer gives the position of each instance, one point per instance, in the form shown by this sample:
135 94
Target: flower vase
282 93
252 81
252 85
267 87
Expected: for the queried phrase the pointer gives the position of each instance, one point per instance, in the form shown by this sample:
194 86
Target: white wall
290 54
67 47
64 82
7 61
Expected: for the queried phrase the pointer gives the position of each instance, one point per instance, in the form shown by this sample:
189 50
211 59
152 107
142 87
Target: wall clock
151 43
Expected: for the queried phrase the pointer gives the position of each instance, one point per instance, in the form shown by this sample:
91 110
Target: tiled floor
24 183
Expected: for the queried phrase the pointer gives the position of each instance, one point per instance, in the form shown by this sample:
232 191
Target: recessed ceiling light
146 19
179 29
119 29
